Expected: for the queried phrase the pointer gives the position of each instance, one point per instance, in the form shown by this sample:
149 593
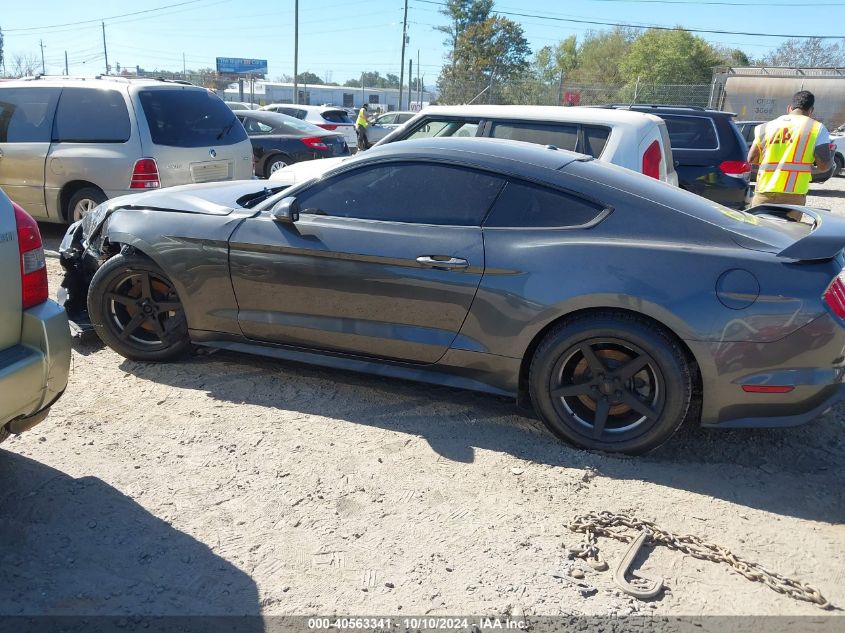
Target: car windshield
191 117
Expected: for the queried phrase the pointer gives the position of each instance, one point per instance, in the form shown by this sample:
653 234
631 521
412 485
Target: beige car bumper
34 374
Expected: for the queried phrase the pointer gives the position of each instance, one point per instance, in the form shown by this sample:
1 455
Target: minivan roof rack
654 105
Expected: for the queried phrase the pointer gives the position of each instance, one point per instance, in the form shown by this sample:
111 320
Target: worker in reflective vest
786 149
361 124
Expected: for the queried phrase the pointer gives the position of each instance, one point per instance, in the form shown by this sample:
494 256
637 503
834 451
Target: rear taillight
327 126
314 142
145 175
735 168
33 265
651 160
834 296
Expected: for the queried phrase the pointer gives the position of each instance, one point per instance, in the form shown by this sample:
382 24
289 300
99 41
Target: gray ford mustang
616 305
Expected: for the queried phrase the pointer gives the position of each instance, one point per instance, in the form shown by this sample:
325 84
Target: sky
340 39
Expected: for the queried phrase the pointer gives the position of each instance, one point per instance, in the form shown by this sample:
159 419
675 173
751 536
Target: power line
111 17
659 28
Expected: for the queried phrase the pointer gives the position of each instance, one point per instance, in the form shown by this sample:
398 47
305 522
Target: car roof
670 109
99 81
576 114
515 157
309 108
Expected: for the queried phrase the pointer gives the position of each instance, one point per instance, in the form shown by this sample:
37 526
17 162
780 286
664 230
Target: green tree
2 61
600 53
669 57
374 80
461 14
308 78
488 55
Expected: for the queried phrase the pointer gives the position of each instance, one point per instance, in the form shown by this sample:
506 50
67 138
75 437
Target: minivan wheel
136 311
83 202
838 165
611 382
275 164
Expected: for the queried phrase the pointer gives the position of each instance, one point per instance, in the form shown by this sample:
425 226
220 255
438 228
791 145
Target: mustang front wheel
136 311
611 382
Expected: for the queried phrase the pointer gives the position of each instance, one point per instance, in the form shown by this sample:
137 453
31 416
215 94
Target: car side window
691 132
531 206
26 114
87 115
419 193
562 135
431 128
595 138
386 119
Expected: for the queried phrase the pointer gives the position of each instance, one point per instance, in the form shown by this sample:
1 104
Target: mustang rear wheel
611 382
136 311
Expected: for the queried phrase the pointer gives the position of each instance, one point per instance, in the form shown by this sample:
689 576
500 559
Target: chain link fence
528 92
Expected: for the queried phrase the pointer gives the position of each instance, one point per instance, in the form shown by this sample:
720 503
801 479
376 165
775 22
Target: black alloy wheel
615 384
136 311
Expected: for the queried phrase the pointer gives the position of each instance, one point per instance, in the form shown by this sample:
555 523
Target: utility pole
363 98
402 63
43 68
184 71
105 50
66 70
419 90
295 50
410 80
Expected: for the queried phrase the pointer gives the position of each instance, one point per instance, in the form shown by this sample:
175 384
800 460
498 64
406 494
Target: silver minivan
68 144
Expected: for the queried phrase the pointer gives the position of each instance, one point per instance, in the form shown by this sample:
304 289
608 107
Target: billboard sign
240 66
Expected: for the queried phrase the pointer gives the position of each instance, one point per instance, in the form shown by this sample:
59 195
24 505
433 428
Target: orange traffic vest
787 147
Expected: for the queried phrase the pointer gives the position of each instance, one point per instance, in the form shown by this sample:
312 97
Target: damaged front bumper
81 253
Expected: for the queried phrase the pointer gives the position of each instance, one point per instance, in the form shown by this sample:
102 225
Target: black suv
709 152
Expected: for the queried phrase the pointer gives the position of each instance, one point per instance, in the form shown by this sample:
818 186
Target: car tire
82 202
614 367
136 311
275 164
838 165
4 434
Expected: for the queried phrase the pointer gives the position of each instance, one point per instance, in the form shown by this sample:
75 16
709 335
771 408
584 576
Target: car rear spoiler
825 239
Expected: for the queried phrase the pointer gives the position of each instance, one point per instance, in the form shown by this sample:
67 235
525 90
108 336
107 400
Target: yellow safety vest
787 147
362 118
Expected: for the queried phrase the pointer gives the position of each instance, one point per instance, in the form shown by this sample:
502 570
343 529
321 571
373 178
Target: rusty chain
608 524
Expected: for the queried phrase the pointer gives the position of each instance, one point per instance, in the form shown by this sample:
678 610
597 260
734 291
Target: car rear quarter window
335 116
691 132
418 193
595 138
189 118
88 115
530 206
26 114
431 128
562 136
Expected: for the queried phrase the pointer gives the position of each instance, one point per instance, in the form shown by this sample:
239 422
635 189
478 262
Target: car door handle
442 261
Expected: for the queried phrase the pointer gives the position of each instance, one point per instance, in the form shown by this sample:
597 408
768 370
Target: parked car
279 140
629 139
838 140
384 124
241 105
638 142
747 129
68 144
710 153
34 334
504 267
327 117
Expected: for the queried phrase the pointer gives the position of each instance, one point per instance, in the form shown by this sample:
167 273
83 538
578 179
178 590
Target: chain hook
650 588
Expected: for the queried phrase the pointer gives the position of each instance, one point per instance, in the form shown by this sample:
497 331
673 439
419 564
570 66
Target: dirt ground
229 484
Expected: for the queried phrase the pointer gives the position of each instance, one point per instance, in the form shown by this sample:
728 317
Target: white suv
635 140
326 117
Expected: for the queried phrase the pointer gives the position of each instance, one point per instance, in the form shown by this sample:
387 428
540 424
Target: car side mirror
286 211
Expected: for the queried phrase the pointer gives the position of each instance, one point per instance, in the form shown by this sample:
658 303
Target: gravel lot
234 484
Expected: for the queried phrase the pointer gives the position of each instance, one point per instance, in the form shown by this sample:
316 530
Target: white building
265 92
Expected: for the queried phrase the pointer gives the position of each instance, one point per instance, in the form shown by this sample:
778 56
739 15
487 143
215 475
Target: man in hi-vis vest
361 128
786 149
